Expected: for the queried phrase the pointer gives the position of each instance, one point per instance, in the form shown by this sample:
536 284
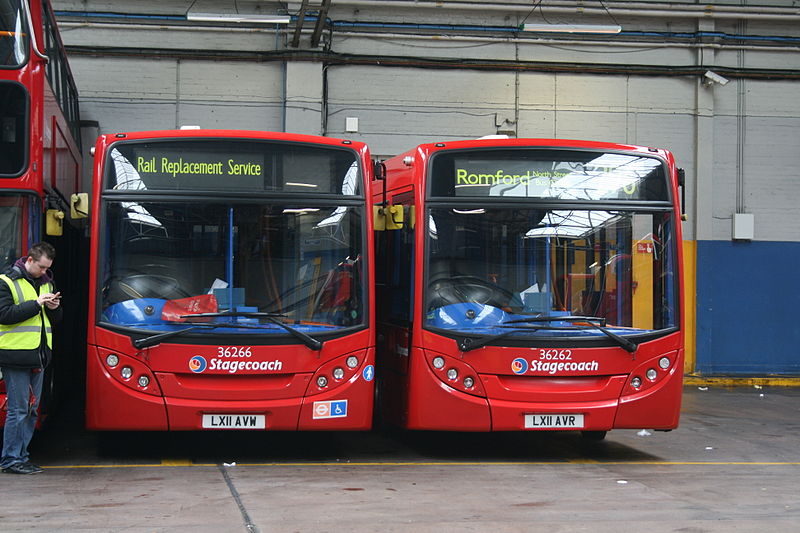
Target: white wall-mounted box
744 226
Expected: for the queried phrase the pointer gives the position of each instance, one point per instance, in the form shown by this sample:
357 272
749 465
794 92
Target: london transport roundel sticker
519 365
197 364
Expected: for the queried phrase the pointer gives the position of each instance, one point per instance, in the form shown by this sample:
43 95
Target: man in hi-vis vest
29 304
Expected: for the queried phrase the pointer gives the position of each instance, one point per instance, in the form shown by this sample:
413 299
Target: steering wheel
144 286
467 289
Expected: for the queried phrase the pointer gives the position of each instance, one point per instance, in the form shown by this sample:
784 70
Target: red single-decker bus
534 285
230 283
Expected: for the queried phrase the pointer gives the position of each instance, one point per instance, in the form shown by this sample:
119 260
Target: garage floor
733 465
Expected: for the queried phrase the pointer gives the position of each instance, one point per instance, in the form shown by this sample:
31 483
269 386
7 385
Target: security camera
712 77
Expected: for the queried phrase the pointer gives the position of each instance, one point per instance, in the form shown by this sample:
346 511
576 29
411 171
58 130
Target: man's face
37 267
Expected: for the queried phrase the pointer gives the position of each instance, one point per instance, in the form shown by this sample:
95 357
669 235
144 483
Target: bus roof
242 134
502 142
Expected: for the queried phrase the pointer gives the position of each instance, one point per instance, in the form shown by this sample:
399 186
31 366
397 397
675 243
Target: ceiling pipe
632 9
343 33
452 64
616 43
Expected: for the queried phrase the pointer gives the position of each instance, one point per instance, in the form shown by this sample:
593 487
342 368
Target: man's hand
52 301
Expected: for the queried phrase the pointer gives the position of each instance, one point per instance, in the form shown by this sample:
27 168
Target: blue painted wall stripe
748 307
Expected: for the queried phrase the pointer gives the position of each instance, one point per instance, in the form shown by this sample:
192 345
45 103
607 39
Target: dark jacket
11 313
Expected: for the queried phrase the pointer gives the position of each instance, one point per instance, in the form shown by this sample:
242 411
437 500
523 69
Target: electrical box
744 226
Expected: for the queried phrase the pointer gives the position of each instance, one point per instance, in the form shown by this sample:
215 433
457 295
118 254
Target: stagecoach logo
519 365
197 364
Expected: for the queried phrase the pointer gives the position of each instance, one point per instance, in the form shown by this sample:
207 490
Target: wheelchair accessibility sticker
331 409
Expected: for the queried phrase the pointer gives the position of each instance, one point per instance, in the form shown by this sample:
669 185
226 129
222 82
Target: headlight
112 360
664 362
338 373
636 382
126 372
651 374
352 361
322 381
438 362
452 373
144 381
469 382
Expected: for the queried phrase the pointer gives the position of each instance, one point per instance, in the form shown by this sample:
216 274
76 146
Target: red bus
230 283
40 157
534 285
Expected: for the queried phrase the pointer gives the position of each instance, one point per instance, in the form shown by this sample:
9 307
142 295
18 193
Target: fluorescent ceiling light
572 28
301 210
236 17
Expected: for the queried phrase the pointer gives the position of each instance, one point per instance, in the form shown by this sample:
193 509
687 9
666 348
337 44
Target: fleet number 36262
555 355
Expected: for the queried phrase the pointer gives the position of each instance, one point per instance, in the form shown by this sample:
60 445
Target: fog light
452 373
636 382
651 374
126 372
352 361
144 381
322 381
338 373
664 362
469 382
112 360
438 362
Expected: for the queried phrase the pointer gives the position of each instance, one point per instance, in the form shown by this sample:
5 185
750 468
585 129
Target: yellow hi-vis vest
26 335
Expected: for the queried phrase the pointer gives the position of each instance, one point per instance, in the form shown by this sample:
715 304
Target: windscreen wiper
626 344
310 342
468 344
152 340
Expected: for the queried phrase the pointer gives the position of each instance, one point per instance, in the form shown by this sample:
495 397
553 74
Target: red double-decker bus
230 283
40 157
533 285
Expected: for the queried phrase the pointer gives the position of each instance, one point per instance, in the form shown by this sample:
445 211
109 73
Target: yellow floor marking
176 462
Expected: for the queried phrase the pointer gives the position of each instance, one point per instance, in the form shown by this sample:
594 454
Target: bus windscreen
168 263
493 269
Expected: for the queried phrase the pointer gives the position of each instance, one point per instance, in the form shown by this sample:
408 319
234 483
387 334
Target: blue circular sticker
197 364
519 365
368 373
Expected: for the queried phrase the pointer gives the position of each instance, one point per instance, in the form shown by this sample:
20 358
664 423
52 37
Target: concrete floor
733 465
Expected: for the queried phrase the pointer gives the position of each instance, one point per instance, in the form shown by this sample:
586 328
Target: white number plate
227 421
554 421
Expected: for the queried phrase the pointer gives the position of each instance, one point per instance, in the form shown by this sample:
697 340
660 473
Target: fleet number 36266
234 351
